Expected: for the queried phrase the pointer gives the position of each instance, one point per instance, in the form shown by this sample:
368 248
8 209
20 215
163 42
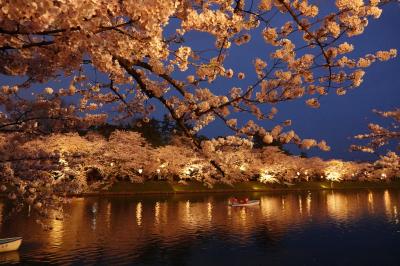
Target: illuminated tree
122 58
141 46
388 165
379 135
39 172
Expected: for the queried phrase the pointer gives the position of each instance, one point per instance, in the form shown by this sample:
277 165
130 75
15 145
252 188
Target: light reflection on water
309 228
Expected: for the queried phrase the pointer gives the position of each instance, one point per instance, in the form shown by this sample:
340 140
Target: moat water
357 227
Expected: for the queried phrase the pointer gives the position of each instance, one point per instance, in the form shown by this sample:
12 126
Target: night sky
339 117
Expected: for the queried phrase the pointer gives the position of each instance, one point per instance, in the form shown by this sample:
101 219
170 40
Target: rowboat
10 244
249 203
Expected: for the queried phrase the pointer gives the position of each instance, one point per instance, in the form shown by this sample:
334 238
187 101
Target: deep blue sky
339 117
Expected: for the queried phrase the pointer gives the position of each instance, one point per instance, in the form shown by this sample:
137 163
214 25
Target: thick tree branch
133 72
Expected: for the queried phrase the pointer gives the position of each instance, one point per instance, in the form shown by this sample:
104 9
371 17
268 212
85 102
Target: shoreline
148 188
194 187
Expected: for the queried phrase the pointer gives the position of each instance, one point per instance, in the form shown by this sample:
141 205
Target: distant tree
151 130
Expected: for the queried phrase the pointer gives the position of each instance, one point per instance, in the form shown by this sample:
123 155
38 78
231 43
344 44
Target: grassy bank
165 187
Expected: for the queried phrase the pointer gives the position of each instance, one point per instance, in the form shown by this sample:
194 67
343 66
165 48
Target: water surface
357 227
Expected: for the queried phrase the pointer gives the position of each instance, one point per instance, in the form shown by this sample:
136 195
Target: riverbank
167 187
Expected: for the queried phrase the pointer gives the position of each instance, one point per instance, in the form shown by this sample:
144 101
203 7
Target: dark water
358 227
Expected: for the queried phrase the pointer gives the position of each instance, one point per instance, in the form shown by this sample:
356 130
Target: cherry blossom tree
379 135
39 172
388 165
140 48
122 58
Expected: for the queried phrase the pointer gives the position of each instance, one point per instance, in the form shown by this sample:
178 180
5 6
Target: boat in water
247 203
10 244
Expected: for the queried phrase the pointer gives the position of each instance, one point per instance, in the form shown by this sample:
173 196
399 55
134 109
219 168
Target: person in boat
244 200
240 201
233 200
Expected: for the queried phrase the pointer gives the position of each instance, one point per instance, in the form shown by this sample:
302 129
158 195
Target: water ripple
299 228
